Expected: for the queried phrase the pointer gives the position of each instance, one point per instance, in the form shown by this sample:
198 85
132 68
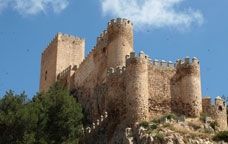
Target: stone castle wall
116 95
70 52
175 87
161 91
48 65
91 76
137 90
114 79
62 52
160 88
187 98
120 36
216 110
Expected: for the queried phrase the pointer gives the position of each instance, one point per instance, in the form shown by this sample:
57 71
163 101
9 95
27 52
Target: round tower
188 72
136 80
220 114
120 41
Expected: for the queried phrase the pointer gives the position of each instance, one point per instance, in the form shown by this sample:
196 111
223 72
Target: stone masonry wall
86 68
116 96
137 92
217 111
111 48
48 65
174 88
70 51
89 81
187 97
120 37
62 52
160 89
220 113
206 105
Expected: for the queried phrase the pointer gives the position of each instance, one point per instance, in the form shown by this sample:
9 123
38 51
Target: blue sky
164 29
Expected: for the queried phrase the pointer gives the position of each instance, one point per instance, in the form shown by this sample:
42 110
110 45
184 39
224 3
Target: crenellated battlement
123 27
61 36
207 101
187 61
69 37
120 21
64 73
163 64
95 125
217 101
102 40
136 57
86 59
174 65
54 41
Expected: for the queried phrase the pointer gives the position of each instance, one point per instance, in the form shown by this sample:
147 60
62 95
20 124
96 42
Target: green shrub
214 125
221 136
171 116
160 137
144 124
162 118
168 117
156 121
153 126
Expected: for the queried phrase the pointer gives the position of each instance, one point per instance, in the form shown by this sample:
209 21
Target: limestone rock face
172 132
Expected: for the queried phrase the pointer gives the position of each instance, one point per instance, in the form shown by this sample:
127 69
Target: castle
129 87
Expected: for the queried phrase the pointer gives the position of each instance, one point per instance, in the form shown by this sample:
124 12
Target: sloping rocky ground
172 130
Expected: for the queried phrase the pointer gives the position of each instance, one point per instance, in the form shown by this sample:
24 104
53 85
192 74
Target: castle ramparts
130 87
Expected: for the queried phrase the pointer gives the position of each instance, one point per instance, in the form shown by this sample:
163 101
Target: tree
60 118
15 119
51 117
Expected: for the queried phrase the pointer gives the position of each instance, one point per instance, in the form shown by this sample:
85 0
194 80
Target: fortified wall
130 87
216 110
62 52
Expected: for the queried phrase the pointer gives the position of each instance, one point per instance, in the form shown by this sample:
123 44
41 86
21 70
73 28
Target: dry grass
196 125
191 128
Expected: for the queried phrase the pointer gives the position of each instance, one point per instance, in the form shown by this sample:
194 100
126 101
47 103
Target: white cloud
153 13
32 7
3 5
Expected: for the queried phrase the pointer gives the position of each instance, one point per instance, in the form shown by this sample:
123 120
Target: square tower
62 52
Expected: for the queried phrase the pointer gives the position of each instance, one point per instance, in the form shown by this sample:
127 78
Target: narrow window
220 108
104 50
45 77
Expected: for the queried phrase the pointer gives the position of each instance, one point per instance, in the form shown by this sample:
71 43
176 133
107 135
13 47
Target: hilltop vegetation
51 117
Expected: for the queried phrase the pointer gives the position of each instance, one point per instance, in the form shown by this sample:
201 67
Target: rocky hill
171 129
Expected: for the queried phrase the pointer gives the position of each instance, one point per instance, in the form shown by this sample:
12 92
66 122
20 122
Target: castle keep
126 86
